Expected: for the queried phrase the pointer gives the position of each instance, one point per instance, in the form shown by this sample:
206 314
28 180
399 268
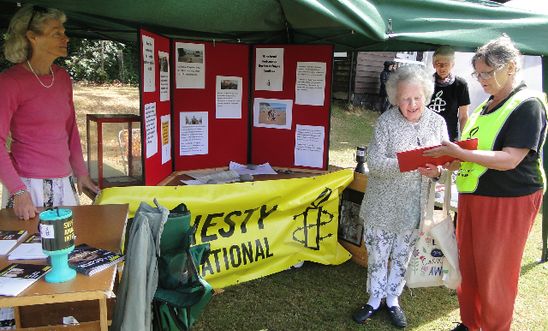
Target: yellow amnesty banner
254 228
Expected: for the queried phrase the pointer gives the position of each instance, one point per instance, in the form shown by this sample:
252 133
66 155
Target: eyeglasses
487 74
36 9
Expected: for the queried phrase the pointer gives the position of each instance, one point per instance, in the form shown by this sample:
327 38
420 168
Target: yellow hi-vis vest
486 128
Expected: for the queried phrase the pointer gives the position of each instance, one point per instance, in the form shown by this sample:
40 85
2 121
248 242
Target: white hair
410 74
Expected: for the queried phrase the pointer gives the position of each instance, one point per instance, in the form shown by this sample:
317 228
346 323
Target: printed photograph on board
272 113
188 55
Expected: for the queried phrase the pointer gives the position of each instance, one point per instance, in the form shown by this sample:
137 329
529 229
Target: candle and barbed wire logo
438 104
313 218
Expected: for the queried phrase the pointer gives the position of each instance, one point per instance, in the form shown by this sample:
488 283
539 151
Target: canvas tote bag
444 236
426 267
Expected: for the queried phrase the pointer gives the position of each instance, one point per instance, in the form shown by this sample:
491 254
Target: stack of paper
30 249
10 238
216 177
260 169
17 277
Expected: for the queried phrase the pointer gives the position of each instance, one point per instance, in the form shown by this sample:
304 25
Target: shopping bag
427 259
444 236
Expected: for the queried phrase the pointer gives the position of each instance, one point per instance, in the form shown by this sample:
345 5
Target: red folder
411 160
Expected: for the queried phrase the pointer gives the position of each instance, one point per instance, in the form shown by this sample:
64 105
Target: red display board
277 145
227 138
213 119
156 166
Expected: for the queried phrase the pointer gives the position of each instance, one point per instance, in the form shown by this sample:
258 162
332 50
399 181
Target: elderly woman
394 202
500 187
36 107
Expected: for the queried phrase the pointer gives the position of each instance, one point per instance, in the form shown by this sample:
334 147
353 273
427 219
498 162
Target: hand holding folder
413 159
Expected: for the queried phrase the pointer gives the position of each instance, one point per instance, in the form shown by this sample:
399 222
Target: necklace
35 75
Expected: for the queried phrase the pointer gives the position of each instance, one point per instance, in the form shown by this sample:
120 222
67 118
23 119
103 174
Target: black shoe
364 313
460 327
397 316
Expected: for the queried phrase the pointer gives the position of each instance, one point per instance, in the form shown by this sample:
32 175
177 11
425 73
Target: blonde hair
17 47
445 51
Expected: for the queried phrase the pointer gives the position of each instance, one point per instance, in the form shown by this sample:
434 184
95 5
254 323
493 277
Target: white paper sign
47 231
149 74
272 113
165 121
309 146
151 129
269 69
228 97
190 65
163 59
193 133
310 83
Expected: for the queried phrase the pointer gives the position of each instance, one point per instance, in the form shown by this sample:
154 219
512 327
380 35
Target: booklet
29 249
411 160
10 238
90 260
18 276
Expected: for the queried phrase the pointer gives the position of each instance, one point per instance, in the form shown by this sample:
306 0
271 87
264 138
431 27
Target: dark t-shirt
383 78
524 128
446 102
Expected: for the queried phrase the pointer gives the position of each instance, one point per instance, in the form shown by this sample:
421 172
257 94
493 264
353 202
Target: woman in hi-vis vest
500 187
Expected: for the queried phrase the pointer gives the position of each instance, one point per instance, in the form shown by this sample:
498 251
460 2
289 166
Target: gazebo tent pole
544 256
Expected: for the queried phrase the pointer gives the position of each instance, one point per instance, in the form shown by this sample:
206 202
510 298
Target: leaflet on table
89 260
15 278
30 249
10 238
252 169
215 177
413 159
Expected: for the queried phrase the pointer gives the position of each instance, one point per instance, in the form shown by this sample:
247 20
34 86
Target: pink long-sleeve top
45 139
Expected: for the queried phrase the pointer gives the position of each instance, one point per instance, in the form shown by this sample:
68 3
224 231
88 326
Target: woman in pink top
36 107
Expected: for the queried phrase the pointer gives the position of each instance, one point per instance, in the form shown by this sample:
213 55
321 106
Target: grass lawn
318 297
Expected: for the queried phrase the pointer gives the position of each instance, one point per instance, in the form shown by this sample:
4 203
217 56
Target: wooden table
99 226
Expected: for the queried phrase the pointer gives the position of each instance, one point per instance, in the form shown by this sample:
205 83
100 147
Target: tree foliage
97 61
102 61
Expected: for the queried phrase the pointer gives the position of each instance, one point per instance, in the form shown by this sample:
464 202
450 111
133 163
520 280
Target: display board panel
155 104
210 104
291 105
201 107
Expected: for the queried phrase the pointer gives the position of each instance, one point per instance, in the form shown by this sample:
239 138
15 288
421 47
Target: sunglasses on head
36 9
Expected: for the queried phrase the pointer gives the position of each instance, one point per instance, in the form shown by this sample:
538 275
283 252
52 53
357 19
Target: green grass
350 127
318 297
